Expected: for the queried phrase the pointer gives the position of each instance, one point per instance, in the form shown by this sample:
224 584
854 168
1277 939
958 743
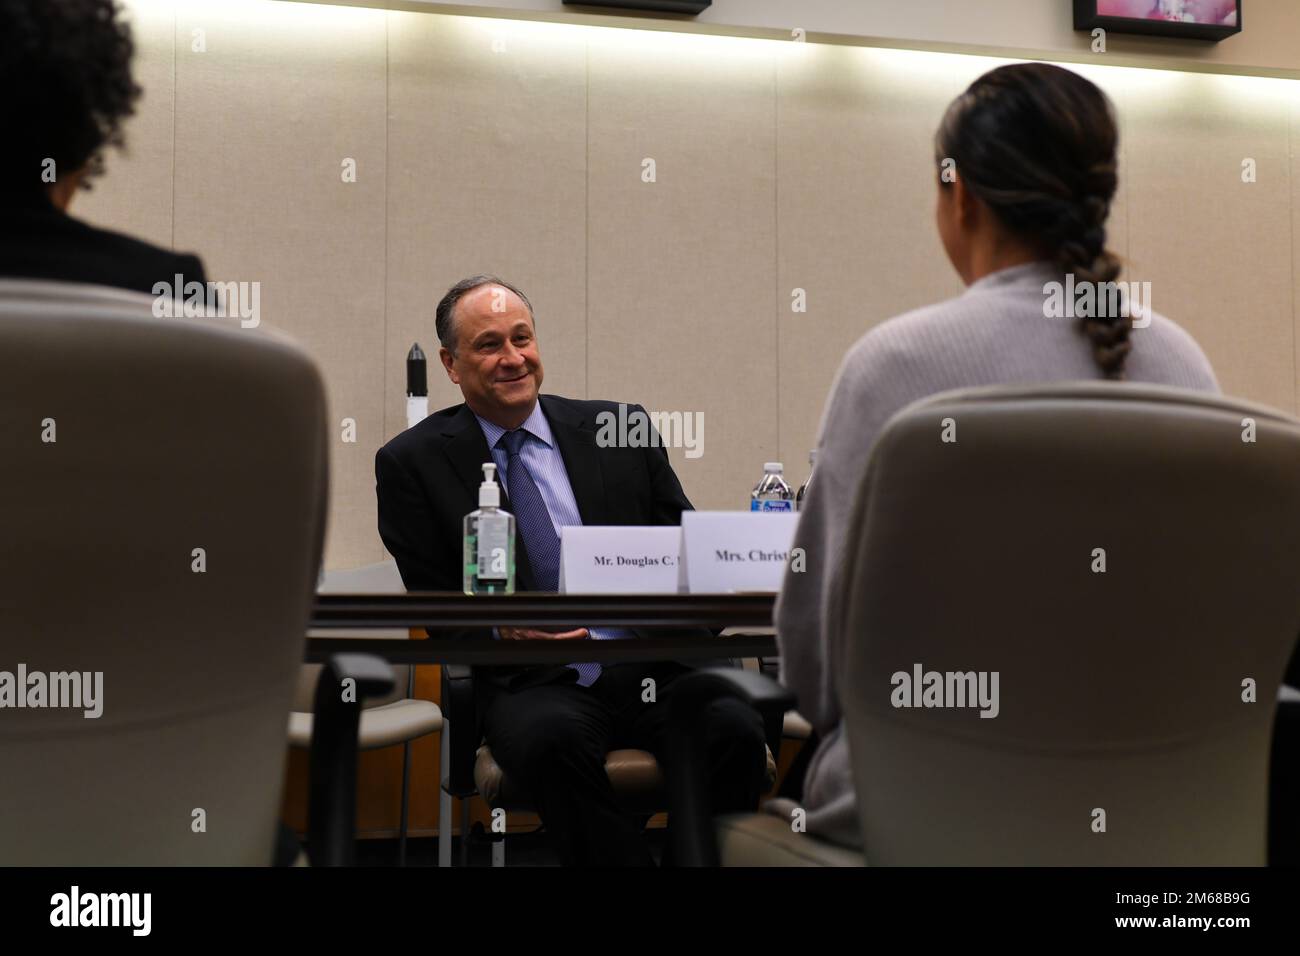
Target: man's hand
532 634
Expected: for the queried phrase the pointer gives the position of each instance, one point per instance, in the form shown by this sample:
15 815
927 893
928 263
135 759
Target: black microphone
417 387
417 378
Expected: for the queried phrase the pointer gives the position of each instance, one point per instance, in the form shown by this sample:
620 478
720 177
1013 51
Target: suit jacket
427 480
37 241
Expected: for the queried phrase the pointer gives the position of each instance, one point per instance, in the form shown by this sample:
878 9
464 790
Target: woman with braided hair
1026 171
1032 150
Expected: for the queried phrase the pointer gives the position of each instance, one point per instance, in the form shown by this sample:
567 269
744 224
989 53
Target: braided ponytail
1037 144
1081 251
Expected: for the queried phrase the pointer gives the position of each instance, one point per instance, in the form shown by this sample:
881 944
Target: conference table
744 620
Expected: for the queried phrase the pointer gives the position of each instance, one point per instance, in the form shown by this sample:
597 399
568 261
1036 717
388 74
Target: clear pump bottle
489 541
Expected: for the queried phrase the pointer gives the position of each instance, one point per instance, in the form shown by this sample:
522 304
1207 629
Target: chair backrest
976 544
131 442
380 578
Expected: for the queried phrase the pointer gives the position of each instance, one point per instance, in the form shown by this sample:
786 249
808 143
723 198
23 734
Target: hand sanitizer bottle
489 541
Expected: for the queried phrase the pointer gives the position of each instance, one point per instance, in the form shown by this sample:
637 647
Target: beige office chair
163 495
395 718
1120 695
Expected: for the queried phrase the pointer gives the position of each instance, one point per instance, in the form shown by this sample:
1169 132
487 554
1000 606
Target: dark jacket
37 241
427 480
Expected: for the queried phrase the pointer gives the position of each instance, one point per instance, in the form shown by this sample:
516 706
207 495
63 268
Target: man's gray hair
444 317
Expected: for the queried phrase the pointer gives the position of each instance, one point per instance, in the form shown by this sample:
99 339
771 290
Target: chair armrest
459 709
332 805
1284 781
689 804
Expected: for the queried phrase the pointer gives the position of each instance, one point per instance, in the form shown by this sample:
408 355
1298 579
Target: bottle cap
489 493
773 467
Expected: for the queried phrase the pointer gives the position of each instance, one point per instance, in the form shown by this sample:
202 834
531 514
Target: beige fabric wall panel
682 270
487 173
266 118
1217 250
518 147
855 209
135 194
1041 27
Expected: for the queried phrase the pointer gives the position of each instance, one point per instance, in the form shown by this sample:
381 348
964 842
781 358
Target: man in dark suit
549 727
65 68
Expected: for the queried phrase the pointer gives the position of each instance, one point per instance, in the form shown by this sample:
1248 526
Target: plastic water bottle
772 493
803 489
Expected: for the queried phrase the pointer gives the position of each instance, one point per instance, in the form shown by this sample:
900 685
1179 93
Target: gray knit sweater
994 333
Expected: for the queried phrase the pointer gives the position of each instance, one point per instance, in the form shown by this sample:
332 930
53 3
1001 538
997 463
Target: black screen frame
1086 17
687 7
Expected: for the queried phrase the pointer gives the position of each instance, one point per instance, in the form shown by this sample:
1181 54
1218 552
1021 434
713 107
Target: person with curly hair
65 67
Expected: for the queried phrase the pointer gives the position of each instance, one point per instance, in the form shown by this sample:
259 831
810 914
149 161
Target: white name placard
725 551
612 559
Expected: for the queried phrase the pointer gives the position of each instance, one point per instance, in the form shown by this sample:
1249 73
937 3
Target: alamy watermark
640 429
201 300
1089 300
948 689
75 908
56 690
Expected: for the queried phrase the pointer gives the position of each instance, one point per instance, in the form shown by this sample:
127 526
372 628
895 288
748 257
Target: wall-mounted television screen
1197 19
